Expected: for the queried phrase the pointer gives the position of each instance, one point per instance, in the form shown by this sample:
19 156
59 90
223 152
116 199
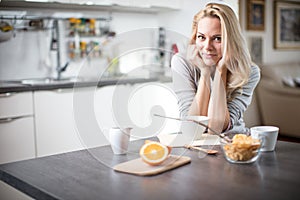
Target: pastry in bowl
242 149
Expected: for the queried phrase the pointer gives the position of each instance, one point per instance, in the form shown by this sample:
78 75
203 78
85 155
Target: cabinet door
16 104
103 108
65 121
17 140
55 128
153 98
111 107
96 110
134 106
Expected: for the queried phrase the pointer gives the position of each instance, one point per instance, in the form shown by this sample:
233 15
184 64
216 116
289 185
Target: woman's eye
201 37
218 39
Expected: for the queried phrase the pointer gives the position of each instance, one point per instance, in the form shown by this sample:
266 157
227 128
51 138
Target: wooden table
79 175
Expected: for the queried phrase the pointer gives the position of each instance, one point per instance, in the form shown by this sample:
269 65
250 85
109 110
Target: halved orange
154 153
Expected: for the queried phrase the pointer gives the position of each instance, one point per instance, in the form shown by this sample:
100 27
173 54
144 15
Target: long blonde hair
233 44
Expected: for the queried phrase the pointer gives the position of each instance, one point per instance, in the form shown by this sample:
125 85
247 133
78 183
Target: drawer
17 140
16 104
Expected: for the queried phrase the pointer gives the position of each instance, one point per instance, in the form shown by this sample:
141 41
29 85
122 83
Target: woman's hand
199 105
221 65
193 56
222 70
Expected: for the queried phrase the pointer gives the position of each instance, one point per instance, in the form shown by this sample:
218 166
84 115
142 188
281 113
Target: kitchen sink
48 81
65 80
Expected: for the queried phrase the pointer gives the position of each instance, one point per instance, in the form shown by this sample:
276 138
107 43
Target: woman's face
209 40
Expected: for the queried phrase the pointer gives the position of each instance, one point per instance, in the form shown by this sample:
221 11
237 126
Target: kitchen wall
26 55
181 22
270 55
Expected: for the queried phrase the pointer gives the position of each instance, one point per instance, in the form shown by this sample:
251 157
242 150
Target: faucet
59 70
55 45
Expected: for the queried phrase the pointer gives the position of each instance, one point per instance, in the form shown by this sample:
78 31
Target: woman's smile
208 55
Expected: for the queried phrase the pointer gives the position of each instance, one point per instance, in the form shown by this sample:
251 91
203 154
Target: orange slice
154 153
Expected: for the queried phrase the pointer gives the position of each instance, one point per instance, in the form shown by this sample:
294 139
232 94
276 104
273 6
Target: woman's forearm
200 103
217 110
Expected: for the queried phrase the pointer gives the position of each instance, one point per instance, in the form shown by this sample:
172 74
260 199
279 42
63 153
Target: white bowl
193 130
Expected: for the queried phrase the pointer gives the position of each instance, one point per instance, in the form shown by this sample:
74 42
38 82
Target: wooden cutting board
140 168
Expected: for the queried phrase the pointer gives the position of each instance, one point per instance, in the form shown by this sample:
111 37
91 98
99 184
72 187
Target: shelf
9 5
32 17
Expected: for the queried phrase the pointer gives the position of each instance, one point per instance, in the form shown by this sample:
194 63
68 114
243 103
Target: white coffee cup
269 135
119 139
193 130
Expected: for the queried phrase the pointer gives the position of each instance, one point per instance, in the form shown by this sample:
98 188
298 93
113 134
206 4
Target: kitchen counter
17 86
79 175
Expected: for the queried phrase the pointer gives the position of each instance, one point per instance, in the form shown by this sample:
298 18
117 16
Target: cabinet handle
10 119
7 94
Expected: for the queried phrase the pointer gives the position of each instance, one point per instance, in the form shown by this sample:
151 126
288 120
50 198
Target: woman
216 77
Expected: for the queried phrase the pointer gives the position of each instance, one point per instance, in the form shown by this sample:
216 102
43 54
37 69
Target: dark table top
87 174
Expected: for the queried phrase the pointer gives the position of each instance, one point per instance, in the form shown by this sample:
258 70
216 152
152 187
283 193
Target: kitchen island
88 174
46 116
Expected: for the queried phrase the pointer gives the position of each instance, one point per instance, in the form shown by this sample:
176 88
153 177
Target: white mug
193 130
119 139
269 135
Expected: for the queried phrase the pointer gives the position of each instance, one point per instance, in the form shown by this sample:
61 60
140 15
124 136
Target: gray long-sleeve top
185 82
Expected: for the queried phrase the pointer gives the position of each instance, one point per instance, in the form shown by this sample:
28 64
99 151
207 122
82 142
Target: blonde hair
234 49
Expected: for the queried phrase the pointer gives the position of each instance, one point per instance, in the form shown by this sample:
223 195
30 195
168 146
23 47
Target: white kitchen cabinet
17 138
16 104
68 120
153 98
111 106
134 106
55 127
65 121
99 109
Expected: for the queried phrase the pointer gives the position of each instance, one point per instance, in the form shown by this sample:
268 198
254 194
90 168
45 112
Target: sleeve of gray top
185 86
184 83
240 102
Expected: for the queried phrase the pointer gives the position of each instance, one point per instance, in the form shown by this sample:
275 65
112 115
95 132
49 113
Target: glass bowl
241 151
